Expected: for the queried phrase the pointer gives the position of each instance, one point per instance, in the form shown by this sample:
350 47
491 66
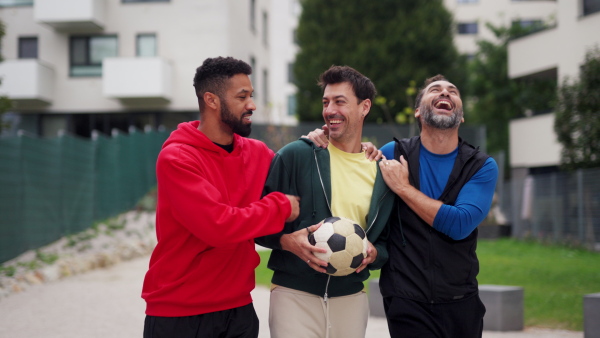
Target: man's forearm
427 208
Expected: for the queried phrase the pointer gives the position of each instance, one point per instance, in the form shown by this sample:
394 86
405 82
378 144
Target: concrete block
504 307
375 299
591 314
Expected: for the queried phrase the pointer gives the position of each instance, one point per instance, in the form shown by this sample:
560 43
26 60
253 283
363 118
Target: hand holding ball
345 242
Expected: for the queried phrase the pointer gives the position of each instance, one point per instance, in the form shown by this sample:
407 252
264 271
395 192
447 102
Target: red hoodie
209 211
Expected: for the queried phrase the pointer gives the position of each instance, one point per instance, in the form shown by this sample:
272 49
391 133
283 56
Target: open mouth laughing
443 104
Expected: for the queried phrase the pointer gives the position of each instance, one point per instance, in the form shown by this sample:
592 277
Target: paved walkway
107 303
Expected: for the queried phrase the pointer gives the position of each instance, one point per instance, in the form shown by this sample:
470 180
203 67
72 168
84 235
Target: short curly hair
213 74
362 86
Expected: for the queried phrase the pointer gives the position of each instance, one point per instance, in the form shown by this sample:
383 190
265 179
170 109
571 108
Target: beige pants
297 314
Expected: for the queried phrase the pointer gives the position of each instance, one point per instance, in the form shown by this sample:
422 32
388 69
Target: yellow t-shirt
352 179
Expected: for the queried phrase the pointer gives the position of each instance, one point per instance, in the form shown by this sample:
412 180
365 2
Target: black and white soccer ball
345 242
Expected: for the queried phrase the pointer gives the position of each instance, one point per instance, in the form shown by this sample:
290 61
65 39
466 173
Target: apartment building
81 65
471 17
556 53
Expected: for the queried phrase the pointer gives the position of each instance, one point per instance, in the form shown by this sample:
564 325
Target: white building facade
80 65
471 17
556 53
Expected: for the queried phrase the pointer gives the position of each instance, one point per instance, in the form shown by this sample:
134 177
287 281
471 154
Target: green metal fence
50 188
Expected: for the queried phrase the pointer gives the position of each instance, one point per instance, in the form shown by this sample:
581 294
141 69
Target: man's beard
237 125
442 122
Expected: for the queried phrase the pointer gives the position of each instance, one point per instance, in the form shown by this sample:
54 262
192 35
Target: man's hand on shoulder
320 137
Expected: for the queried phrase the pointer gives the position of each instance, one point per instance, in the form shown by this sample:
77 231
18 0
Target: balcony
71 16
28 82
143 82
534 53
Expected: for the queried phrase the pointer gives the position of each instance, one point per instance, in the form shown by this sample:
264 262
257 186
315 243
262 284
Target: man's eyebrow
244 91
439 85
335 97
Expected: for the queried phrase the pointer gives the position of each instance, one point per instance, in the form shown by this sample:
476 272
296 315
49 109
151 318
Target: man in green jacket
334 181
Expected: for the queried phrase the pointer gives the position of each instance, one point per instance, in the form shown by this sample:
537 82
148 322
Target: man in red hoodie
210 179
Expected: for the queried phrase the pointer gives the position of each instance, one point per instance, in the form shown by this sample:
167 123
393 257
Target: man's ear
417 113
366 107
211 100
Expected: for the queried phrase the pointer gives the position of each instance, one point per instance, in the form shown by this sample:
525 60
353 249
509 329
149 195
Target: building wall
496 12
533 142
556 53
187 31
283 54
562 48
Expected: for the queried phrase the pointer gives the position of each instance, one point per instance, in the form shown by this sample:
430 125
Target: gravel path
104 300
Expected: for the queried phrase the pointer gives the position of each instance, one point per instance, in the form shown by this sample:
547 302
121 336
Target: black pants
408 318
240 322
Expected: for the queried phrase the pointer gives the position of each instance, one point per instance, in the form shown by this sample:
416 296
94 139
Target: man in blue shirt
445 187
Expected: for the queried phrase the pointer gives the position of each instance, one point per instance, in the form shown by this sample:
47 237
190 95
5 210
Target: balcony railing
28 82
137 80
71 15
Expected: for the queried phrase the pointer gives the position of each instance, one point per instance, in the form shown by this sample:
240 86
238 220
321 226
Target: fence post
556 223
580 216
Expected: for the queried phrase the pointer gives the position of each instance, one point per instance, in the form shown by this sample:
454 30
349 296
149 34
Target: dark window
265 32
528 23
467 28
15 3
146 45
253 75
295 36
291 77
468 1
253 15
87 53
28 48
591 6
265 87
291 105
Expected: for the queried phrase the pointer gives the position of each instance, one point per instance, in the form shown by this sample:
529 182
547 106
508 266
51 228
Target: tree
494 98
392 42
577 125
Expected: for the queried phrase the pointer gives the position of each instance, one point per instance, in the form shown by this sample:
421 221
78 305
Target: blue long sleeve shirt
474 200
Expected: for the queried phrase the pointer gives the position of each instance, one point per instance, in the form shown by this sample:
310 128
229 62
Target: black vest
425 264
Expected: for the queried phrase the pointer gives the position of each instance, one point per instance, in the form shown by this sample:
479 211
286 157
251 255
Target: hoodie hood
188 133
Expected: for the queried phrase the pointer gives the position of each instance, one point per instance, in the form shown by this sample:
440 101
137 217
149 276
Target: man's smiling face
342 112
441 106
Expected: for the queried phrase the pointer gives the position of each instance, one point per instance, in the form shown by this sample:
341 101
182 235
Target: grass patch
555 278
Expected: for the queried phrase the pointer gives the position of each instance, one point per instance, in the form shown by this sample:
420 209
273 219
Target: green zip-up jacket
302 169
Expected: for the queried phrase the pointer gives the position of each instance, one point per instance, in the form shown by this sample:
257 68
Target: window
145 45
28 48
467 28
87 53
253 15
126 1
528 23
265 31
291 105
291 77
295 36
265 88
253 65
15 3
591 6
468 1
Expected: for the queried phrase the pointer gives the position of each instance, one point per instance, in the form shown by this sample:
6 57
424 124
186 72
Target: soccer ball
345 242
